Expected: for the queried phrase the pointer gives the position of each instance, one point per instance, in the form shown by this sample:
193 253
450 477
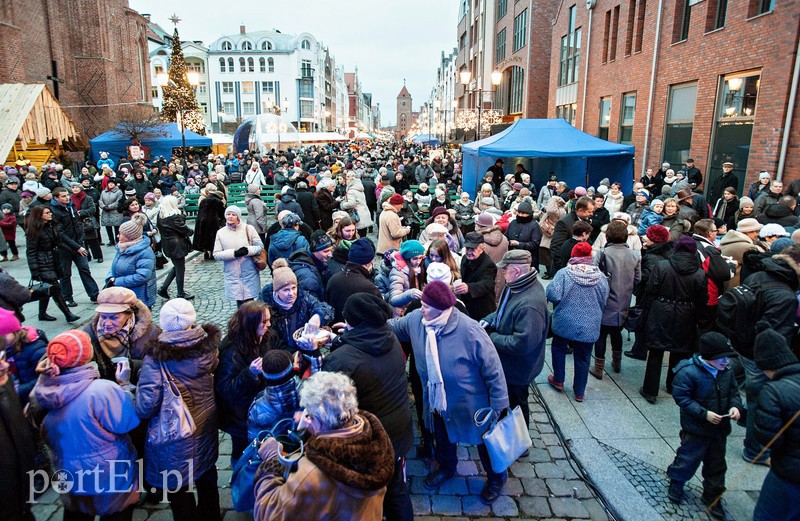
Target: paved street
623 443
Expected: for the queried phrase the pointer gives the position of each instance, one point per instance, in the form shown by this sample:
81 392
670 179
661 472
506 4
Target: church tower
403 113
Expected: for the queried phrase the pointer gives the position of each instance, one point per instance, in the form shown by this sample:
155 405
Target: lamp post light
466 77
164 80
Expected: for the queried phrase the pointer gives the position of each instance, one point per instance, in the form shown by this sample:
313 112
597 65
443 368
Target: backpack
738 310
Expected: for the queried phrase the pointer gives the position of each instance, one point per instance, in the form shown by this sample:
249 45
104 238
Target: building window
262 65
266 46
306 109
717 10
520 30
305 69
605 118
570 52
500 46
248 108
230 65
242 65
204 107
683 16
154 92
758 7
610 35
637 44
228 108
516 77
628 110
567 112
267 86
159 69
202 88
227 46
305 45
248 87
222 65
680 123
251 67
462 42
247 46
502 8
270 65
306 89
227 87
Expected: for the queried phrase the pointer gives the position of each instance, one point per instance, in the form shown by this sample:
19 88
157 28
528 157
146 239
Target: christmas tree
179 93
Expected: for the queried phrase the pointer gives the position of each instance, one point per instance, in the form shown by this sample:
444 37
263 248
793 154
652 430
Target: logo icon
62 481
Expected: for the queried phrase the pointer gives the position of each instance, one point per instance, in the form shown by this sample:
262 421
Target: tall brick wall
100 48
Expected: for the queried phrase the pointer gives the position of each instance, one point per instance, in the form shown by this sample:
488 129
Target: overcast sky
388 41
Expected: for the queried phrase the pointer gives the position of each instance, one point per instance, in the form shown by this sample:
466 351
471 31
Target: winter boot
597 370
616 361
675 491
62 305
15 258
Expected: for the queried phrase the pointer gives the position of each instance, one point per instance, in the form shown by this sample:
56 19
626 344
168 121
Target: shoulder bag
174 422
507 439
259 259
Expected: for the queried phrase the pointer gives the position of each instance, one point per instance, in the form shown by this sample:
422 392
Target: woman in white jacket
355 201
236 244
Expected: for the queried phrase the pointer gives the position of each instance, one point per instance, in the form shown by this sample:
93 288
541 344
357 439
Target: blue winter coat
266 411
579 293
649 218
26 361
309 276
697 391
284 243
286 321
135 269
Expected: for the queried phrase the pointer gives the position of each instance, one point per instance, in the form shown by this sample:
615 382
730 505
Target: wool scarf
184 338
437 399
125 245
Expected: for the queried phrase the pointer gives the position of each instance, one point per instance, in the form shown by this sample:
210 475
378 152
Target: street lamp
466 78
164 80
220 117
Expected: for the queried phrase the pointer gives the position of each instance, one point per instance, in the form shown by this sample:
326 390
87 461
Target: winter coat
561 232
719 184
70 224
623 267
354 279
286 321
614 203
764 201
109 202
372 357
338 478
677 289
210 217
17 453
553 213
697 391
780 214
479 276
12 197
391 230
142 186
86 428
9 226
717 269
256 213
43 253
356 201
26 360
677 226
579 294
191 365
496 245
649 218
242 279
778 400
175 235
519 329
87 215
734 244
338 261
327 205
308 203
650 257
471 371
135 269
726 210
529 236
476 206
14 294
284 243
400 293
310 276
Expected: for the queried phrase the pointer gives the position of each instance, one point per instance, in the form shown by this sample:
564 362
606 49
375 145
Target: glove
241 252
269 449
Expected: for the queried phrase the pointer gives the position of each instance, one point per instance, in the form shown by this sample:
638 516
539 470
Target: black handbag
40 290
635 319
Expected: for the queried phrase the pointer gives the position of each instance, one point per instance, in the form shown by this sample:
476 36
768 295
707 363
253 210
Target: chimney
146 16
242 30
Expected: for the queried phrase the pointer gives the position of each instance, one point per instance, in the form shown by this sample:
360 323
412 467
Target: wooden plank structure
33 125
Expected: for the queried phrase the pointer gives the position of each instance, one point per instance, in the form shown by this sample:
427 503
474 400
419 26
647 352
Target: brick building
721 71
91 54
404 110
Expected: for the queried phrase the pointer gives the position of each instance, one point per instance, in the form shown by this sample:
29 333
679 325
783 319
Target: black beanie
770 350
277 367
365 308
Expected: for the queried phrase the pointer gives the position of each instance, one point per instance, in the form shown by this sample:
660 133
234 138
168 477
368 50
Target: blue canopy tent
169 137
549 145
426 139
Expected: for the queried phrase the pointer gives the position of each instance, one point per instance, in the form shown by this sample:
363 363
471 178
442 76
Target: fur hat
582 249
365 308
282 275
277 367
70 349
657 233
177 315
437 294
770 350
133 229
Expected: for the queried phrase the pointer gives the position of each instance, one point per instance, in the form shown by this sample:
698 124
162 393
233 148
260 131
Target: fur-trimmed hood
789 262
492 235
164 352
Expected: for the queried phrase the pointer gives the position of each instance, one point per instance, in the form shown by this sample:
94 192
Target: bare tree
139 125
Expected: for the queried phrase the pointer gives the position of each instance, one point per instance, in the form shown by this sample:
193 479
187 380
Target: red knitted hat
396 200
582 249
70 349
437 294
657 233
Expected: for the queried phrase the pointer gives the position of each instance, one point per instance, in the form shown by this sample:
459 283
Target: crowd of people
384 272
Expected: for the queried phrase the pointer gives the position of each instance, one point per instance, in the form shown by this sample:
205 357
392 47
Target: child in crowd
279 399
8 224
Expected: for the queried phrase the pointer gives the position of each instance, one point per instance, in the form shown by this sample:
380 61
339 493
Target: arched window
227 46
271 64
230 65
262 65
247 46
251 67
222 65
266 46
242 66
305 44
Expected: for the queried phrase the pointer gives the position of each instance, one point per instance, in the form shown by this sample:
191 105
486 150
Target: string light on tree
180 99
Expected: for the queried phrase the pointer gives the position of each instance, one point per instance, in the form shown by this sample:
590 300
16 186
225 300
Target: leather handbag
507 439
174 422
39 290
259 259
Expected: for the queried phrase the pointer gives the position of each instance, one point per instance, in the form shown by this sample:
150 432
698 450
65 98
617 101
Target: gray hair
330 398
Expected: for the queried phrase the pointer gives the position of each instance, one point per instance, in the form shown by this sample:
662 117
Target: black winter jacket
697 391
778 401
70 225
779 214
561 232
17 453
650 257
354 279
43 254
308 203
479 275
175 235
14 294
528 234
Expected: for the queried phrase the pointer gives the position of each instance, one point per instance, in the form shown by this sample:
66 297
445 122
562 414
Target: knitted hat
764 175
439 271
365 308
745 201
773 230
713 346
70 349
132 229
582 249
439 210
150 196
656 202
320 241
412 248
657 233
9 323
686 244
277 367
437 294
643 192
130 191
234 209
525 207
41 192
748 225
771 351
484 220
781 244
397 200
290 220
177 315
282 275
361 252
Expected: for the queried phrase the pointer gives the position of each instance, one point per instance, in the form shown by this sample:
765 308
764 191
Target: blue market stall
549 145
168 136
426 139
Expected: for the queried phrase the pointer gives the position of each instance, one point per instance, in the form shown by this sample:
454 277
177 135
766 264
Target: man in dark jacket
11 194
721 182
693 174
308 203
498 174
356 277
523 232
369 194
718 270
369 353
310 267
584 208
781 213
66 216
600 217
478 274
777 406
518 328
